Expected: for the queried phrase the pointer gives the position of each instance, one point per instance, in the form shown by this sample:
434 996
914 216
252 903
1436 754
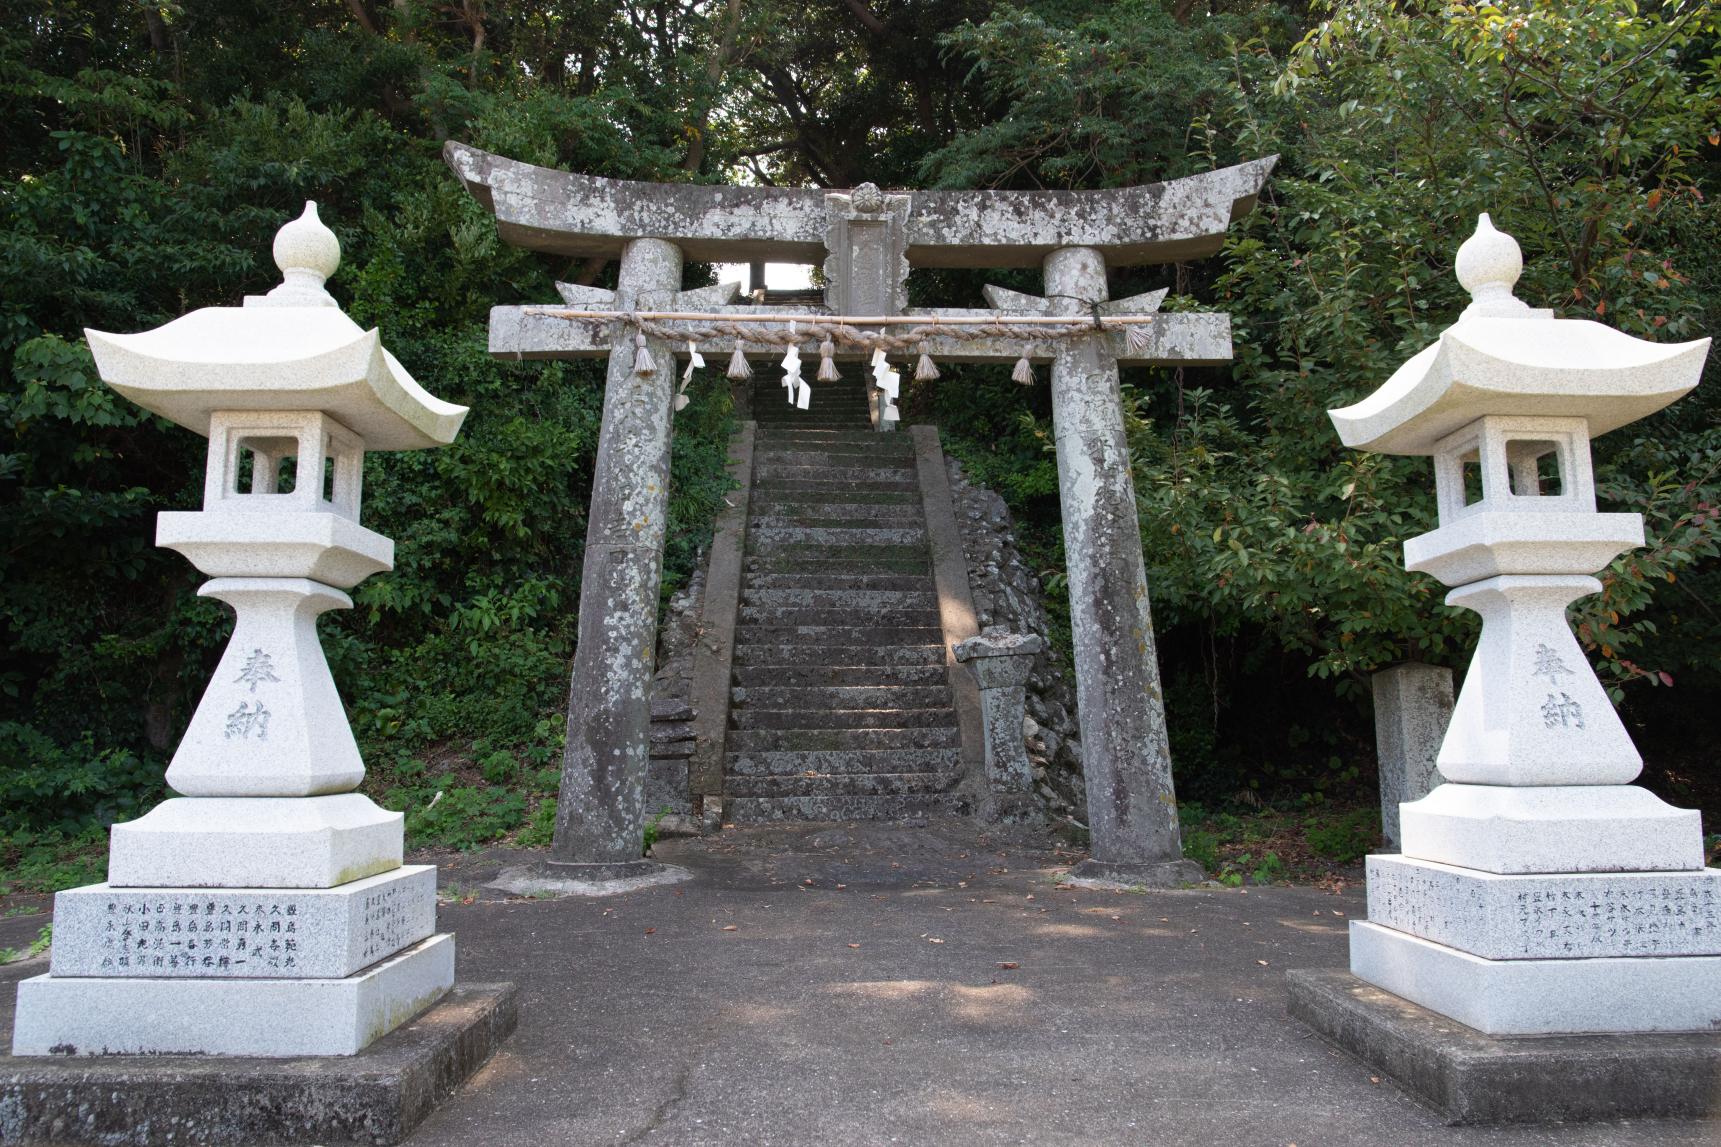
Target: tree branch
865 15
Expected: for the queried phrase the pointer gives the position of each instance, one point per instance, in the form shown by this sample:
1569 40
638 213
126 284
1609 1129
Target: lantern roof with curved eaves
1503 358
292 349
560 212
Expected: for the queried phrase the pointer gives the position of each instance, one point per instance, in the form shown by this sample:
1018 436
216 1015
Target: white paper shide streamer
695 361
888 381
799 394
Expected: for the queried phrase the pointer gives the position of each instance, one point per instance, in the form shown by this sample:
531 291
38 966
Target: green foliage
1347 839
36 947
540 827
651 826
457 817
69 790
49 860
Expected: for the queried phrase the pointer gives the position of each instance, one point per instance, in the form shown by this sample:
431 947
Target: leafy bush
1346 839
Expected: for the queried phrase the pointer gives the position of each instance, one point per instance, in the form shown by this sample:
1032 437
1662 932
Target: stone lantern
265 911
1538 891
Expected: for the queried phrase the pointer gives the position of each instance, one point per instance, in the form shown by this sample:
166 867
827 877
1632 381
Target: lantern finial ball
306 244
1489 262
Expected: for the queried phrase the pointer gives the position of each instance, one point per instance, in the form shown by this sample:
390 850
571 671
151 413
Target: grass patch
1279 846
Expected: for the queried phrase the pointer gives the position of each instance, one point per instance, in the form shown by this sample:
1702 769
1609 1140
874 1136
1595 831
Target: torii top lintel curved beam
544 209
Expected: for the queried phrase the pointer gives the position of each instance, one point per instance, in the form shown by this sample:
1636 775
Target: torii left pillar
601 809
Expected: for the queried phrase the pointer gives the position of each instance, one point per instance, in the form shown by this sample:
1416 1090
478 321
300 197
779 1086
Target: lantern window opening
268 460
1535 468
1514 463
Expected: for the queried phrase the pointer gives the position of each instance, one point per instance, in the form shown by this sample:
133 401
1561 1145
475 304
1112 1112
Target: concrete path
928 986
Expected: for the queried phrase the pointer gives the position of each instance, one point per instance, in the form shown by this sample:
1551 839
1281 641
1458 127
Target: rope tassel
739 370
925 370
827 364
643 363
1137 338
1024 372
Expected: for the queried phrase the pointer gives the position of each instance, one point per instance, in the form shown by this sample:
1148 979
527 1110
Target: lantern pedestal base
1551 828
256 842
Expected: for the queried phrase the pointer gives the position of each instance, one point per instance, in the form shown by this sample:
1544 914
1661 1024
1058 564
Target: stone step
761 582
769 764
852 436
826 407
812 676
808 597
854 616
849 784
800 564
919 582
836 445
842 740
772 473
791 513
792 419
859 555
777 457
841 518
829 499
829 635
827 485
769 810
778 655
837 698
864 534
813 719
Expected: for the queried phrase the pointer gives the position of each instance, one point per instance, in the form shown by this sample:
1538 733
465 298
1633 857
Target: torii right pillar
1126 756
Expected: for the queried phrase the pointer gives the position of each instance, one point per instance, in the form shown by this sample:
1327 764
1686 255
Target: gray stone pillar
1001 663
1126 758
1412 707
600 820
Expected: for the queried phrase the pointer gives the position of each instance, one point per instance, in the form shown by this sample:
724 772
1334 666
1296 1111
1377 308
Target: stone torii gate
867 241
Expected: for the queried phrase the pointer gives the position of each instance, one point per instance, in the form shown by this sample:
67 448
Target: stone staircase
840 704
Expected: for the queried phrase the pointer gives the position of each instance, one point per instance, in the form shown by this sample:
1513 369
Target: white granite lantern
1538 890
266 910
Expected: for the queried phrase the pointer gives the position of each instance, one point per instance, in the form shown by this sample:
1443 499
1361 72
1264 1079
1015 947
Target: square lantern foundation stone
1469 1077
378 1096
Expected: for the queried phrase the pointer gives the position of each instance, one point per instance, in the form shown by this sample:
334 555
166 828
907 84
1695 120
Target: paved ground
873 1006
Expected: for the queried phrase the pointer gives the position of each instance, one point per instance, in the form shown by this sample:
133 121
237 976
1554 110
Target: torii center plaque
867 241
